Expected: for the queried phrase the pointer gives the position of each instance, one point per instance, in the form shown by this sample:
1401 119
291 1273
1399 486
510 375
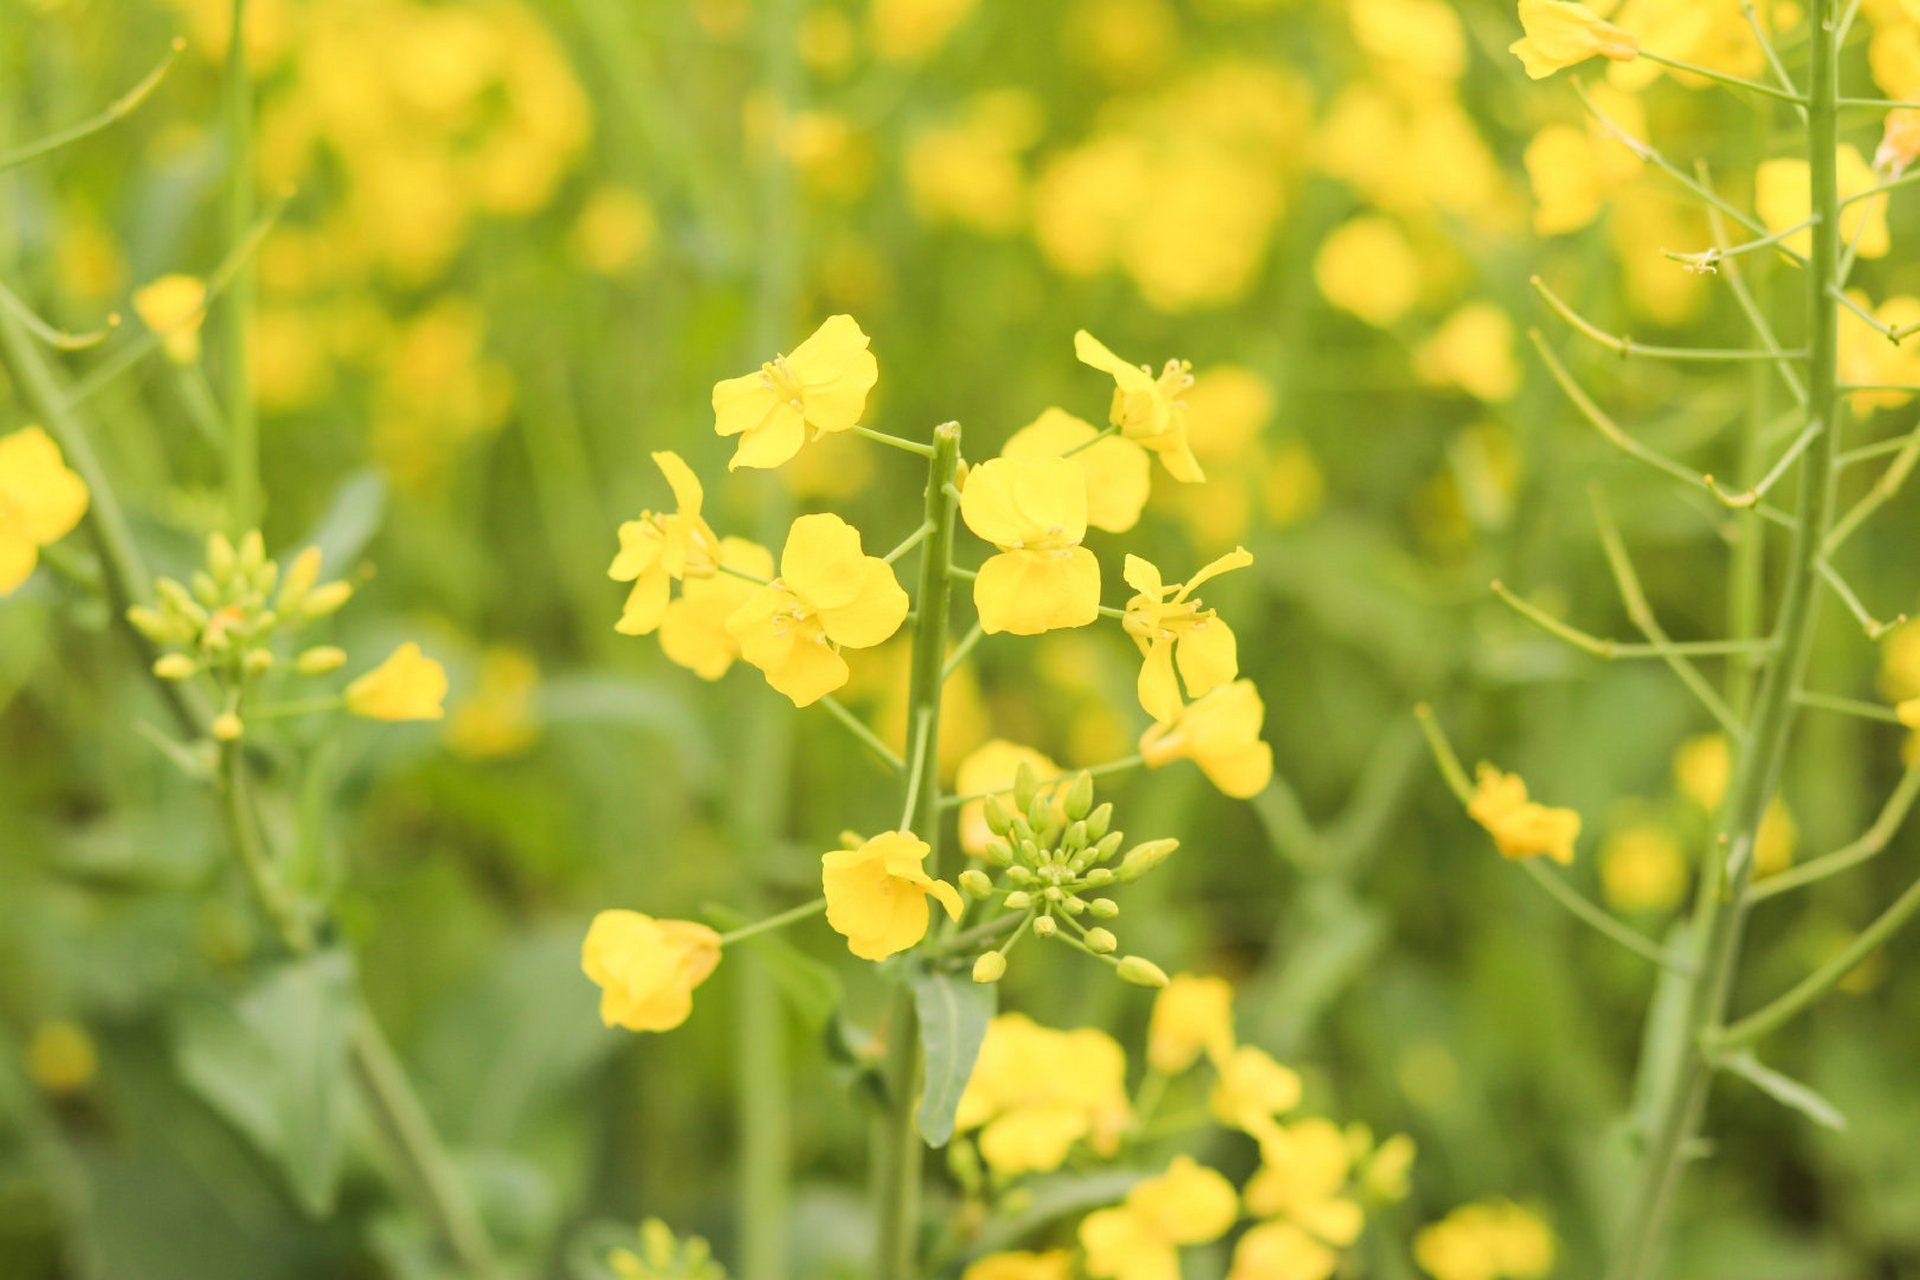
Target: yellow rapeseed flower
1303 1180
1472 350
500 718
1252 1091
40 502
1035 511
1148 410
1117 471
1279 1250
1520 827
1492 1241
646 968
1899 142
1055 1264
1172 628
1221 733
693 630
1783 197
1191 1015
1368 267
1642 868
407 686
1140 1239
660 547
822 386
1035 1092
1560 34
830 594
174 307
877 894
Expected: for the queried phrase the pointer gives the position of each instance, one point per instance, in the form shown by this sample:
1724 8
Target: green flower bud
1143 858
1052 893
1108 846
219 556
1099 876
975 883
205 589
990 967
253 551
998 852
301 575
1045 927
1026 787
257 662
1076 837
1079 801
327 599
175 666
1074 907
1099 821
320 659
1101 941
1104 908
152 624
264 577
1142 972
226 727
1020 875
998 819
1019 900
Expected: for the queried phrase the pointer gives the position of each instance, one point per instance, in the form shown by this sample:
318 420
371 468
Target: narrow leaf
954 1011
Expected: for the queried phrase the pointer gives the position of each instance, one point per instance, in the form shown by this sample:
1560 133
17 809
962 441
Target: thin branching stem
119 109
1870 844
1627 347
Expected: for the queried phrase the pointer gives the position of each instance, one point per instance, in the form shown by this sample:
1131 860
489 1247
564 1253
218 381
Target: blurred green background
524 237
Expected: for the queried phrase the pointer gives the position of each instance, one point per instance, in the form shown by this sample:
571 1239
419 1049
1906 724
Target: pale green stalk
896 1174
1721 905
243 428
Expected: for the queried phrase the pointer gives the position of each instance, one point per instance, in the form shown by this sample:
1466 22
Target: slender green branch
1121 765
118 110
1735 275
1884 488
908 543
793 915
1751 497
58 339
1855 707
868 738
1590 913
1765 42
1091 441
1720 77
1444 755
1869 845
1603 647
732 571
1872 626
922 722
1627 347
892 442
1712 259
961 650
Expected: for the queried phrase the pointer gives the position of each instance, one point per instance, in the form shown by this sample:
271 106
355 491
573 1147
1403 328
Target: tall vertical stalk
898 1151
1720 908
243 458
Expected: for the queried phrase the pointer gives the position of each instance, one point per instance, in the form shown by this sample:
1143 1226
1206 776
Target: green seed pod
1101 941
1100 821
1045 927
1142 972
175 666
1143 858
1079 801
1104 908
975 883
998 819
990 967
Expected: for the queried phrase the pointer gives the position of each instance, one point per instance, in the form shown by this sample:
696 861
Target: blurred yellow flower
829 595
911 30
822 386
1520 827
969 171
1783 197
1560 34
1140 1239
1869 359
1302 1179
615 231
40 502
61 1058
1899 142
1221 733
877 894
659 548
1642 868
1116 470
1472 350
498 719
1035 511
991 770
1171 627
1367 266
1252 1091
1035 1092
1191 1015
1279 1250
174 307
646 968
693 630
1148 410
1492 1241
407 686
1701 768
1055 1264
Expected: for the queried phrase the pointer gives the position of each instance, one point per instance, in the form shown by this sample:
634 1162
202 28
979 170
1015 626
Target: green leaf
1783 1089
954 1011
811 987
273 1063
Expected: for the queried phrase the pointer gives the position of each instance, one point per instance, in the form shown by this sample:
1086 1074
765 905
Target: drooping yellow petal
1560 34
687 493
646 603
1091 351
1158 691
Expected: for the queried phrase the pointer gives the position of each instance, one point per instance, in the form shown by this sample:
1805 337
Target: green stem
898 1168
1870 844
868 738
1732 82
243 458
119 109
1722 900
1591 914
791 916
892 442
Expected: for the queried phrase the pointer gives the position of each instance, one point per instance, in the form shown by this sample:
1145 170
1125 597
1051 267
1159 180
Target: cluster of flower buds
1053 846
225 622
663 1256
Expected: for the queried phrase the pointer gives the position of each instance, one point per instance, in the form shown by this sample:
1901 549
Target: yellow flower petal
407 686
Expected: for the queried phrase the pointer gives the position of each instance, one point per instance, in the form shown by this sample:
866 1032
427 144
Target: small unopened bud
1101 941
1019 900
226 726
1045 927
220 556
998 819
1142 972
1076 838
327 599
1108 846
175 666
253 551
851 840
1079 801
1074 907
1143 858
998 852
975 883
1020 875
301 575
1026 787
151 623
990 967
1104 908
1100 876
1100 821
264 577
320 659
176 598
257 662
